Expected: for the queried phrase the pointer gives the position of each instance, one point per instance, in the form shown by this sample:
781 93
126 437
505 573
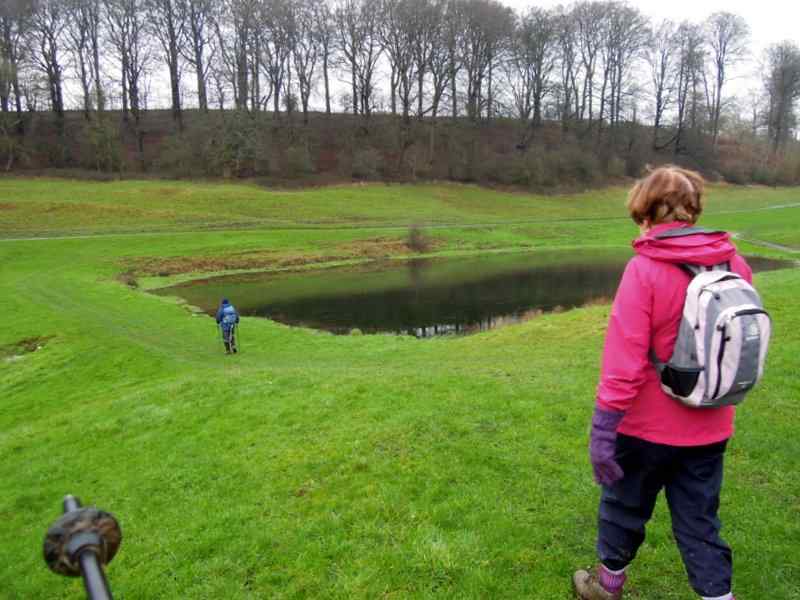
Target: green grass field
321 466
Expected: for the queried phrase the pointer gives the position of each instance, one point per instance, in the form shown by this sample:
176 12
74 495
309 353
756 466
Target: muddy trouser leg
693 498
626 506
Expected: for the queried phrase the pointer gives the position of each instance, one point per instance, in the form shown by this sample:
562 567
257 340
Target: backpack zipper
720 354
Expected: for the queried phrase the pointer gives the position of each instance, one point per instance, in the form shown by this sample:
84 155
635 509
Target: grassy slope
322 466
54 206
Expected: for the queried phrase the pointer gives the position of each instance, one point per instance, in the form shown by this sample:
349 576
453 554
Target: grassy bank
313 465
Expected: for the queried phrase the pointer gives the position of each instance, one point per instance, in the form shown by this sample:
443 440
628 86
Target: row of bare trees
590 65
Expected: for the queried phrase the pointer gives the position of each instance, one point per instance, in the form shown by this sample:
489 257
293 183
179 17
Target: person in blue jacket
227 318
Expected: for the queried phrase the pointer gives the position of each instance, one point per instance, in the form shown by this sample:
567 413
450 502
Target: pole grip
80 543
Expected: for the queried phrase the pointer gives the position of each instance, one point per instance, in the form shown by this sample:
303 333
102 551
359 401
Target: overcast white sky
770 20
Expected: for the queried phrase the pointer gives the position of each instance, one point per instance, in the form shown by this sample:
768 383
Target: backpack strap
660 366
694 270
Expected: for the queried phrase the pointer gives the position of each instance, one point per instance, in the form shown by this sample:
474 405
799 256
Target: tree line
591 66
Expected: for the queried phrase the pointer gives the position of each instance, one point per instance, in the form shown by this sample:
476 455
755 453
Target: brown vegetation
341 148
373 249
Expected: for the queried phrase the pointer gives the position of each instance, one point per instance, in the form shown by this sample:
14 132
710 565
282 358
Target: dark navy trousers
691 478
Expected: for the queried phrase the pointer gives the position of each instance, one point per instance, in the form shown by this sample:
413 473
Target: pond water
423 298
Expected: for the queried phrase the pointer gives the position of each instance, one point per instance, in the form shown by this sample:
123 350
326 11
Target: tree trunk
174 77
327 84
276 97
453 92
242 78
489 91
355 87
393 80
18 102
420 85
202 93
125 88
202 88
98 87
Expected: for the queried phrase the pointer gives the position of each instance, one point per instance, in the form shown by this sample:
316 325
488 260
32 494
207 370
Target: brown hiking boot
587 587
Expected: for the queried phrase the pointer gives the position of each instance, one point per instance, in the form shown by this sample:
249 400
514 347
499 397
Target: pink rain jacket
646 313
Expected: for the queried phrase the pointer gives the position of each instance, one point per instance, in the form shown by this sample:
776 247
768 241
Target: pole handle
80 543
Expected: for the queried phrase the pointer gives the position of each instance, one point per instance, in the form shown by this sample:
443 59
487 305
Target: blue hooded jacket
227 315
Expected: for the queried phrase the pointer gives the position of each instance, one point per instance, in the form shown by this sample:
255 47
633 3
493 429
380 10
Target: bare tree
688 75
49 21
83 33
499 30
532 61
569 98
273 39
397 32
455 19
782 86
14 23
125 20
625 36
661 55
324 32
488 26
358 39
727 36
426 16
589 18
349 39
305 50
168 25
235 30
200 15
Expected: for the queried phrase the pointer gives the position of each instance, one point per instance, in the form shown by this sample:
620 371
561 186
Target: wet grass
317 466
34 207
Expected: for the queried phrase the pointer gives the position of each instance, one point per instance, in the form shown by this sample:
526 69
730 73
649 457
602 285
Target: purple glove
603 444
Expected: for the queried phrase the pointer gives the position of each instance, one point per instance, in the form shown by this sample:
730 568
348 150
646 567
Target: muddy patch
8 206
388 247
18 350
128 277
372 248
177 265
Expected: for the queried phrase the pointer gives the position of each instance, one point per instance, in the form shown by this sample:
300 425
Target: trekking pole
80 543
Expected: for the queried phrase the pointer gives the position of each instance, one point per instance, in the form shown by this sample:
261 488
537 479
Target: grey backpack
722 341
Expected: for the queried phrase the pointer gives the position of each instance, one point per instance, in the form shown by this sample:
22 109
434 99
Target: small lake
424 298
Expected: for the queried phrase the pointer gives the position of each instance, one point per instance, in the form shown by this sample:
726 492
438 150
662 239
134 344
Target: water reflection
423 298
433 304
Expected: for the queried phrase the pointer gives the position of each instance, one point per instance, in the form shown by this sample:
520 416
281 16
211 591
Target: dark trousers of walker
229 339
691 478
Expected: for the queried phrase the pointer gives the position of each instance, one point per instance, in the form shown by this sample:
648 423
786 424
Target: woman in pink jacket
643 441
